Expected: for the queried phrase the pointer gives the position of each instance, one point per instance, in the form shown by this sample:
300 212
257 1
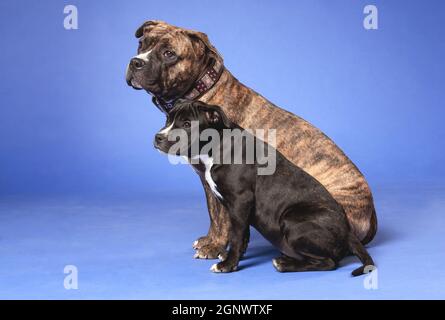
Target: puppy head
185 124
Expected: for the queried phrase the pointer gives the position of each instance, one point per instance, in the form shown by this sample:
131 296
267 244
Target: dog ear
202 37
216 116
140 31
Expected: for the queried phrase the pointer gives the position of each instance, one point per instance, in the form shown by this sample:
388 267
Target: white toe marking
199 256
214 268
274 262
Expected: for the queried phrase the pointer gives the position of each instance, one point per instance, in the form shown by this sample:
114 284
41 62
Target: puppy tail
357 249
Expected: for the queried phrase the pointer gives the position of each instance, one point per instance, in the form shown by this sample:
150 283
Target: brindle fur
299 141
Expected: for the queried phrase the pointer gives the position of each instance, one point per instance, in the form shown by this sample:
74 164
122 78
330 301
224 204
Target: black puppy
289 207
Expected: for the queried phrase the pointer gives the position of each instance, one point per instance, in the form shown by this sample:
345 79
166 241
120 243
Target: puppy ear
140 31
182 101
202 37
216 117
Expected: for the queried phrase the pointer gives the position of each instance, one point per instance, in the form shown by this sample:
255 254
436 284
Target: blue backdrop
71 127
69 123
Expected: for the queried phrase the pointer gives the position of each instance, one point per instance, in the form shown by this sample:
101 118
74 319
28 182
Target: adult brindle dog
175 63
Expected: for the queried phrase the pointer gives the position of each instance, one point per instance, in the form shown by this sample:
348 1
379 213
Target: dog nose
137 63
159 138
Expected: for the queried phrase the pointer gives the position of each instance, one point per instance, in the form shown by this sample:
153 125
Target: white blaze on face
144 56
166 130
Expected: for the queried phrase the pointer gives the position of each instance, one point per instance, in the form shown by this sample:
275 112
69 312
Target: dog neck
239 102
206 81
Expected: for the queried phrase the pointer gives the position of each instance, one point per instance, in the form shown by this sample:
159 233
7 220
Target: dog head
169 59
184 125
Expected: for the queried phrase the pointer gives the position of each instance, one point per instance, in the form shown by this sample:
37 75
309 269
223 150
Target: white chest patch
208 162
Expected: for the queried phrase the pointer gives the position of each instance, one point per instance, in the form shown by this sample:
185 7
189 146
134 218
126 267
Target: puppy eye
140 45
186 124
169 54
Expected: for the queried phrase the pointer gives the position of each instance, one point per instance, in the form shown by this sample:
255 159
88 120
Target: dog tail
357 249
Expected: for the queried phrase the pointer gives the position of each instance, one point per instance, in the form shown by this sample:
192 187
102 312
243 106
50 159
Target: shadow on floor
264 253
257 255
384 236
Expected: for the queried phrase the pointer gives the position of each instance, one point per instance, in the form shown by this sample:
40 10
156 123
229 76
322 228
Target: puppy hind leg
305 263
307 244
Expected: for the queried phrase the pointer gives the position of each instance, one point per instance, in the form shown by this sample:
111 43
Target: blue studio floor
141 249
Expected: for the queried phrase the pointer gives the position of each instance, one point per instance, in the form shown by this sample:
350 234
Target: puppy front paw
223 267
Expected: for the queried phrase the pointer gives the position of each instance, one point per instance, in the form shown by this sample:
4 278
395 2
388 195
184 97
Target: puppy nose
159 138
137 63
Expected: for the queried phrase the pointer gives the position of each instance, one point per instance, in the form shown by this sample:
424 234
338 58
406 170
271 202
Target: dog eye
169 54
186 124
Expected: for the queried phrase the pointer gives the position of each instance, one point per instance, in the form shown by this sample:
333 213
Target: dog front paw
224 267
211 251
201 242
